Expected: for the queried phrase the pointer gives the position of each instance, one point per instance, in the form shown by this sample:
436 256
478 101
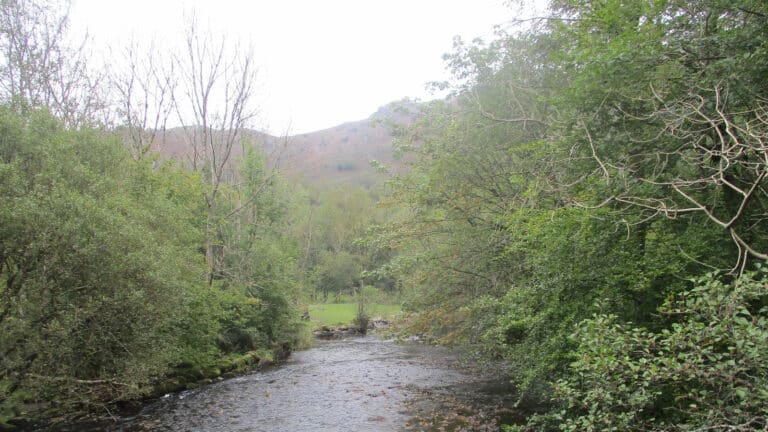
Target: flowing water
356 384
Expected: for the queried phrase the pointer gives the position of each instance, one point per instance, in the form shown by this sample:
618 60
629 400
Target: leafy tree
336 273
536 192
99 269
667 101
333 258
258 272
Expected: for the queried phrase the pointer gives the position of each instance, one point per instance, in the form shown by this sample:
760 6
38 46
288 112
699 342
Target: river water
355 384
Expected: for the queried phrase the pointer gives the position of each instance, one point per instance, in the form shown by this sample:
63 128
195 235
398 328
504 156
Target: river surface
356 384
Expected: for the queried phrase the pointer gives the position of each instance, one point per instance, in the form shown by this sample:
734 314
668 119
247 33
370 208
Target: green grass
334 314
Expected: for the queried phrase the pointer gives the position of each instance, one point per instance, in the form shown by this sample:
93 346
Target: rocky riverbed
352 384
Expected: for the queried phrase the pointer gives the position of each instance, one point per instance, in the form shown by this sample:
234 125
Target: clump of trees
333 260
121 273
99 265
564 205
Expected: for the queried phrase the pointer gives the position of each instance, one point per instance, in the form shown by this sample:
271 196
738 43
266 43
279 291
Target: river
355 384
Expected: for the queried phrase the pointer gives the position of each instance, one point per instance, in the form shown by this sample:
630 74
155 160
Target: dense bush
103 291
97 266
706 370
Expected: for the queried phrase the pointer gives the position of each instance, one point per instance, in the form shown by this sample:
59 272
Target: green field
334 314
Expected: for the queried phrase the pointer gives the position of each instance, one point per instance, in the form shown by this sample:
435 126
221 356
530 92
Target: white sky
322 62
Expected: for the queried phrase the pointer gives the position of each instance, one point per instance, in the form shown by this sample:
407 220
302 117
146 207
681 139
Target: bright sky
322 62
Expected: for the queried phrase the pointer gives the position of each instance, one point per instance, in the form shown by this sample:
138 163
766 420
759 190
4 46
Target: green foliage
666 103
97 267
336 273
582 176
706 369
258 318
103 287
593 164
257 272
334 259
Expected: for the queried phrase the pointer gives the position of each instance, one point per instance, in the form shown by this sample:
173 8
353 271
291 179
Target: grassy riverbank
334 314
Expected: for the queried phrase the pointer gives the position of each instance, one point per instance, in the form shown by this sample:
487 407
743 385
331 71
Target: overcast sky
322 62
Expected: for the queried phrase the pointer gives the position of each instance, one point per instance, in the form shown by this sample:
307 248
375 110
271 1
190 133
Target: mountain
337 155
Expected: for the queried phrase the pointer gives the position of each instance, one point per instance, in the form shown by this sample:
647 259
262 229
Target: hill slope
338 155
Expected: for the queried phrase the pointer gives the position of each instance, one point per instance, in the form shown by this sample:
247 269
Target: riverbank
183 379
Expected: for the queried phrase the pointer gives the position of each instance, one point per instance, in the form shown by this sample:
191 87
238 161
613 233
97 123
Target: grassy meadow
335 314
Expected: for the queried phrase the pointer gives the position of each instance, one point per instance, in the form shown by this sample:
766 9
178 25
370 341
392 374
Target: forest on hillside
588 207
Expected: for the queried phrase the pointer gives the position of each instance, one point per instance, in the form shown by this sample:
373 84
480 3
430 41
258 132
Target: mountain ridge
338 155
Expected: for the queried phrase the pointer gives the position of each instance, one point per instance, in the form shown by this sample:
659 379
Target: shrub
708 370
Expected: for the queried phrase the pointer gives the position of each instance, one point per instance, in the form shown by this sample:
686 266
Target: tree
99 270
215 104
258 274
479 174
39 69
670 106
336 220
144 96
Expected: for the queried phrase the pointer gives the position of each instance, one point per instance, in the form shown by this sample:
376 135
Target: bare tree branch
215 107
144 96
39 70
722 150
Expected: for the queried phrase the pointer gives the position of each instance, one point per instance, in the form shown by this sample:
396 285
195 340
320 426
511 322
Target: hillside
337 155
